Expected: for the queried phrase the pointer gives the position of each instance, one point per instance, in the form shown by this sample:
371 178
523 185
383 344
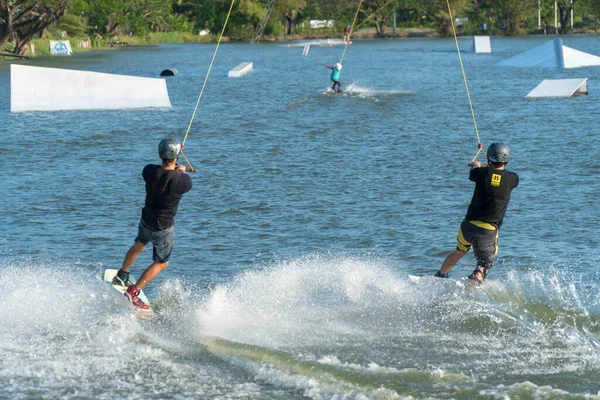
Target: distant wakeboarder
335 76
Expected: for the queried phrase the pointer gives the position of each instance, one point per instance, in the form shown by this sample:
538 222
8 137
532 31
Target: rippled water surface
290 275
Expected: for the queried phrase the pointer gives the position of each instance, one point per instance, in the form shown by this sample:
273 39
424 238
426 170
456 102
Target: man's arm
477 164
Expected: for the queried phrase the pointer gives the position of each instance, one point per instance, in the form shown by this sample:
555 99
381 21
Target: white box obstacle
241 70
481 44
50 89
560 88
552 54
318 42
60 48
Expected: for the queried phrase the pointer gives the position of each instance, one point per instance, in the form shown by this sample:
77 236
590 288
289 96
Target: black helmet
498 152
169 149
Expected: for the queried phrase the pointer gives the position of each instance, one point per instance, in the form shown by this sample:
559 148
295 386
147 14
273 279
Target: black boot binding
440 274
122 279
479 270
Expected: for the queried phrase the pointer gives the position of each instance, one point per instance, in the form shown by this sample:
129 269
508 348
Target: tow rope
350 33
479 145
191 169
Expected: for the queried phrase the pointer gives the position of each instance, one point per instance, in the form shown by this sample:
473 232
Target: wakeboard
109 274
461 282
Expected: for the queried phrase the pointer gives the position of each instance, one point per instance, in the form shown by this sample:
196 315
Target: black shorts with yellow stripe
483 237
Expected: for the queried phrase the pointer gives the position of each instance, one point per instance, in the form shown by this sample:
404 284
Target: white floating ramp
552 54
560 88
481 44
240 70
51 89
318 42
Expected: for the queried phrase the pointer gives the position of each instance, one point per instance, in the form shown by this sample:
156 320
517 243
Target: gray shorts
484 243
162 241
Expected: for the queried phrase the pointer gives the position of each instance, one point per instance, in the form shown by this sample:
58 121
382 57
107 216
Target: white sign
60 48
321 23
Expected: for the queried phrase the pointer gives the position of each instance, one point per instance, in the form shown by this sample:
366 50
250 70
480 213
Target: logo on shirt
496 179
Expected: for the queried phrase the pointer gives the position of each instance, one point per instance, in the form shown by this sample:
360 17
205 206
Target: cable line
204 85
479 145
370 16
350 33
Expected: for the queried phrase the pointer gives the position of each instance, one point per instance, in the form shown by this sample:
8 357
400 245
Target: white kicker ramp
552 54
51 89
240 70
560 88
481 44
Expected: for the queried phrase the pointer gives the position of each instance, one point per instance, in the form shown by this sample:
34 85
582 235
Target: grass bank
42 46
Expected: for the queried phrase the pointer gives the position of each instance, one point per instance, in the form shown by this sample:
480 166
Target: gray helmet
498 152
169 149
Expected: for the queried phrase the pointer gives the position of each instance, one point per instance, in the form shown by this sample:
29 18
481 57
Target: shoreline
41 47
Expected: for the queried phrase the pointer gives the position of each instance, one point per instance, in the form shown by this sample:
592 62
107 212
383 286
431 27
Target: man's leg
451 260
132 254
485 247
150 273
462 247
162 241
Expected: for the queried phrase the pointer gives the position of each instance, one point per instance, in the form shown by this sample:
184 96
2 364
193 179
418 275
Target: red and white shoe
132 294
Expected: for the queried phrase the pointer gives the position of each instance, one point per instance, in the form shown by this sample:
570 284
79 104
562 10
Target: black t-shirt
491 194
164 189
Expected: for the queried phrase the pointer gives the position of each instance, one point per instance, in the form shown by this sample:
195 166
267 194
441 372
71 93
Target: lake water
290 275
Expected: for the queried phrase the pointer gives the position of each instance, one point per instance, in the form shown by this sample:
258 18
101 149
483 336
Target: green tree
378 12
22 20
111 17
516 16
438 10
328 9
412 12
290 12
589 10
564 15
212 14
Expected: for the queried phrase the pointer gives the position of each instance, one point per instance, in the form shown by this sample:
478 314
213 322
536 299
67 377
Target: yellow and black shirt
491 194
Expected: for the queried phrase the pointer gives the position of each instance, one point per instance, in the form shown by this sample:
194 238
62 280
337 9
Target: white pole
571 14
555 16
539 15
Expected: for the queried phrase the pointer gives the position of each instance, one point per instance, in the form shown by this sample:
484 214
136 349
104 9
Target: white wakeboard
433 279
109 274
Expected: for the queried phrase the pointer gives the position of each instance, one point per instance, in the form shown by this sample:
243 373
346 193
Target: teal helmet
169 149
498 152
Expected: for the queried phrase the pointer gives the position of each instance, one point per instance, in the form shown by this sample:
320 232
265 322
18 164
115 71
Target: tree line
23 20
